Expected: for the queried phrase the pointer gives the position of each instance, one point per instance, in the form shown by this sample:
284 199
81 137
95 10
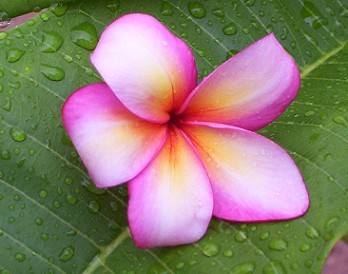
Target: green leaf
10 8
52 219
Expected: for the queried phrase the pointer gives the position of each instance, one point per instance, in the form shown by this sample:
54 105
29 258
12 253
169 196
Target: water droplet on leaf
211 249
18 134
51 42
278 244
230 29
312 233
244 268
85 36
20 257
197 10
113 5
66 254
59 9
166 9
13 55
93 206
52 73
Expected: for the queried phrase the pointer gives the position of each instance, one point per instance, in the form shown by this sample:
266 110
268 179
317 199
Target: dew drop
85 36
66 254
71 199
5 154
44 236
331 221
59 9
312 233
240 236
71 233
13 55
197 10
52 73
51 42
218 12
114 206
93 206
3 35
340 120
17 134
228 253
294 266
11 220
43 193
230 29
38 221
309 113
166 9
249 3
44 17
91 188
274 268
113 5
244 268
68 58
56 204
20 257
211 249
180 265
278 244
8 104
305 247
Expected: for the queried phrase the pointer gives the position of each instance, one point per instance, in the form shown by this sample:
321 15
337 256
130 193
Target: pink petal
253 179
170 201
250 90
114 144
150 70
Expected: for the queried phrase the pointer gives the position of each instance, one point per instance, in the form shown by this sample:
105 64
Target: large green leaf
51 217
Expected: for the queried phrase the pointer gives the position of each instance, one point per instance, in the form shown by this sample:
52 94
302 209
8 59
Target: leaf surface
51 217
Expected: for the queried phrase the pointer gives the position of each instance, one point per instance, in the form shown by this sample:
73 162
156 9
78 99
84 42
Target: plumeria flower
188 151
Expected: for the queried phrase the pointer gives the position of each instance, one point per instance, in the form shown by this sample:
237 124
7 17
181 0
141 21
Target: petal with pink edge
253 179
150 70
114 144
250 90
171 200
